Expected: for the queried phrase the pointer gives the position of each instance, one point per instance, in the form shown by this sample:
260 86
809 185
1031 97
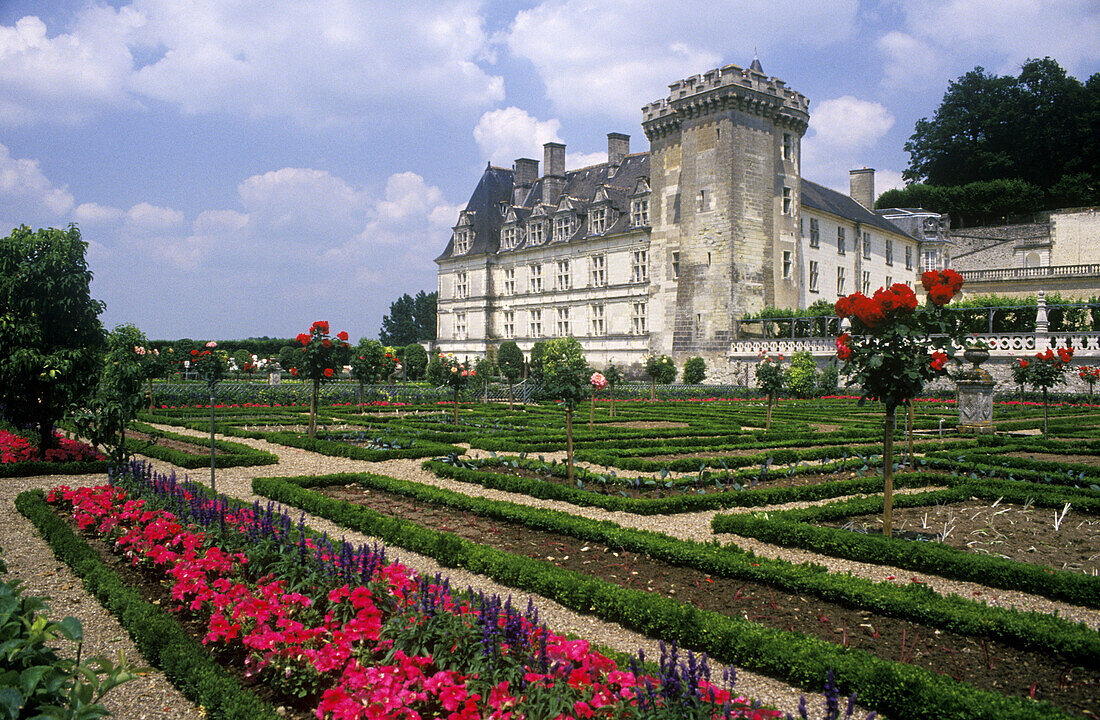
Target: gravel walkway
29 558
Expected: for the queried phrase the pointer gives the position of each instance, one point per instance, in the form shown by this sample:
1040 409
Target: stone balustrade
1023 273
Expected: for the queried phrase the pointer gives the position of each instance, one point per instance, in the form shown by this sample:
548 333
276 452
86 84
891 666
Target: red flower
321 325
1023 363
294 371
328 372
953 280
941 295
930 279
867 311
939 360
194 352
904 296
1065 354
326 343
844 307
342 335
303 338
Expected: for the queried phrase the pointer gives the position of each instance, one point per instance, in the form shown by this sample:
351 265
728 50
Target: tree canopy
1041 127
411 319
51 339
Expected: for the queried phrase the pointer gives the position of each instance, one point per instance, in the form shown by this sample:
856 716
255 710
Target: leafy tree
769 375
318 361
458 377
415 359
288 355
1042 128
411 319
660 369
51 340
437 371
535 367
510 360
695 370
801 377
243 359
828 382
366 363
566 378
614 376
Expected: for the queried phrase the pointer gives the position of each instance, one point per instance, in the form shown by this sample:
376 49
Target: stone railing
1090 270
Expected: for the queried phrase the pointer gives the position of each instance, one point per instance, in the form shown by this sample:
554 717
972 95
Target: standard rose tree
599 382
458 377
1047 370
893 350
567 378
318 360
1090 375
769 376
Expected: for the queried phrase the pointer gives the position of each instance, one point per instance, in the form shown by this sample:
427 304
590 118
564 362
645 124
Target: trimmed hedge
233 454
897 689
186 663
796 528
41 467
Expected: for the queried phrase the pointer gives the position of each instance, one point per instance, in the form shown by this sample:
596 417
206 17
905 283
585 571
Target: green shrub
801 377
695 370
828 382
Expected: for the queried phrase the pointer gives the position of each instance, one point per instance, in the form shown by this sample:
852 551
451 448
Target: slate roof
819 197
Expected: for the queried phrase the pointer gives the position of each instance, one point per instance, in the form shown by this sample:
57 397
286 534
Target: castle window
637 318
908 257
510 281
509 323
866 282
563 322
639 268
840 241
787 201
788 146
889 251
462 284
813 276
535 284
536 323
563 228
704 201
786 263
889 281
462 242
595 314
840 281
639 212
930 258
508 237
867 246
597 275
536 232
815 233
597 221
675 264
460 326
563 278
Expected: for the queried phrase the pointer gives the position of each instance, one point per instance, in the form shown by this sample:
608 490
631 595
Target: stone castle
663 251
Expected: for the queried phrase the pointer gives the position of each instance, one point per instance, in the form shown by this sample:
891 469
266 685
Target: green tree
769 376
535 367
660 369
319 360
366 363
614 376
411 319
695 370
801 377
243 359
416 361
566 377
51 340
510 360
437 370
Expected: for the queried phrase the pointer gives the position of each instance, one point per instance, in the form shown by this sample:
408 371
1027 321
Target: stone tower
724 207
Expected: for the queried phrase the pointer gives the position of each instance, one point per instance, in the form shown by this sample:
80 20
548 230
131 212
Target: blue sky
242 167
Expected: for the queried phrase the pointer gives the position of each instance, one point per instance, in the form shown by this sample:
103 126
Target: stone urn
975 393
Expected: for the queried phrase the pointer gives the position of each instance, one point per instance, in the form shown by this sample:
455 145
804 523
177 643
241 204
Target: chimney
553 164
618 147
863 187
525 172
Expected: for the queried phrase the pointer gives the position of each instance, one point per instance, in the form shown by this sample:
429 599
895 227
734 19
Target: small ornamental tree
769 376
1047 370
566 378
458 377
599 382
1021 373
510 360
211 365
695 370
243 360
318 361
660 369
801 377
366 364
415 361
614 376
893 351
1090 375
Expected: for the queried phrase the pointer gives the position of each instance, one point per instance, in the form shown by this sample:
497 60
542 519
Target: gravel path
30 559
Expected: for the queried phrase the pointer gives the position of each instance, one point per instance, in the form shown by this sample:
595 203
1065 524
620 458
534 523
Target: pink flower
211 344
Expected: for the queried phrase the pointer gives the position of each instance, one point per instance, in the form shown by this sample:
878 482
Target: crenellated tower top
727 88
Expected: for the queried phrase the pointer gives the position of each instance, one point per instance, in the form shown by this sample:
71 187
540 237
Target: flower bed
354 636
20 458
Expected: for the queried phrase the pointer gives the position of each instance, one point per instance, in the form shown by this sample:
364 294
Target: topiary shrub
695 370
800 379
828 382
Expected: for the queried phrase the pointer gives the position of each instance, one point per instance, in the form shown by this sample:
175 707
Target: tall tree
410 320
51 340
1039 127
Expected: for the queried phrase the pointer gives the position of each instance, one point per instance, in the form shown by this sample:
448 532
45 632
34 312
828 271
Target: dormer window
462 241
639 212
563 227
536 232
597 221
509 237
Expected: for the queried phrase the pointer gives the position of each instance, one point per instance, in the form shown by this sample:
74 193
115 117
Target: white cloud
955 35
22 182
95 214
848 123
510 133
887 180
145 217
612 58
317 62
